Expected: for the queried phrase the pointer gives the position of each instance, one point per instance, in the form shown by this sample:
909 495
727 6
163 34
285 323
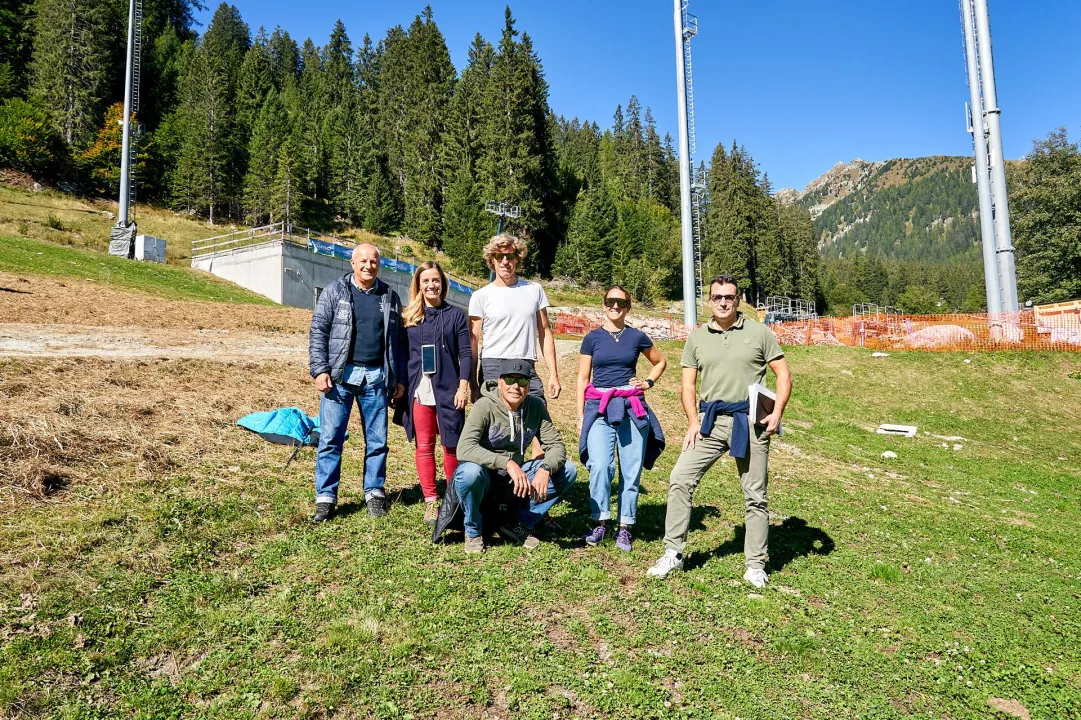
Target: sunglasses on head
500 257
519 380
719 298
613 302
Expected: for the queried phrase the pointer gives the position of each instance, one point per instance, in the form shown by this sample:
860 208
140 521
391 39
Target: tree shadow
792 539
13 290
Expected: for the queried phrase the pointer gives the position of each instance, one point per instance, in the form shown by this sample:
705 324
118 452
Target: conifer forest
244 125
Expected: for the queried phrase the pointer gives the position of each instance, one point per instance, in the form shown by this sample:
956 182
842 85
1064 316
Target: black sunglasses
617 302
719 298
519 380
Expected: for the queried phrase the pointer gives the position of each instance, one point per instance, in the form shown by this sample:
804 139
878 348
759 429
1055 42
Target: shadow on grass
792 539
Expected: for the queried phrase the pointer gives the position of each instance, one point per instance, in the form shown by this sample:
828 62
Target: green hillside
922 209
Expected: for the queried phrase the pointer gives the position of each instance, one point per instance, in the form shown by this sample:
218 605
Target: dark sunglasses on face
719 298
500 257
617 303
519 380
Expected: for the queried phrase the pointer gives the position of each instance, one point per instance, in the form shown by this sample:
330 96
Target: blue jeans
472 482
368 386
602 442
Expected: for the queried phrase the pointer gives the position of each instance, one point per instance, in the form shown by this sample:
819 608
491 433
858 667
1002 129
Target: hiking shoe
520 534
431 512
474 545
671 560
756 577
594 536
377 506
323 511
623 539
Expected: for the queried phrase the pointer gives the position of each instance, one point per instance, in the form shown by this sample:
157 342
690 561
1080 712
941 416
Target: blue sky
802 84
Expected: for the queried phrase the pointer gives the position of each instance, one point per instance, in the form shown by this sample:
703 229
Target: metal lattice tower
136 59
690 185
698 185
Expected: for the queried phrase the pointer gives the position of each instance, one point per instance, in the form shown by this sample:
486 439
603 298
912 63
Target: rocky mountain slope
909 208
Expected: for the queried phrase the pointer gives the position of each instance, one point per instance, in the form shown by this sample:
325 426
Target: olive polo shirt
729 361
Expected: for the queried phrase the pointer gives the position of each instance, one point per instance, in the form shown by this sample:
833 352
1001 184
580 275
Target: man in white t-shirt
509 316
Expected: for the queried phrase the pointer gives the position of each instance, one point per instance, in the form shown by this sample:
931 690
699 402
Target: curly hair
504 242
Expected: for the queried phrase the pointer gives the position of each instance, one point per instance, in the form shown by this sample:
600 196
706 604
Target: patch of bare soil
88 425
24 340
47 300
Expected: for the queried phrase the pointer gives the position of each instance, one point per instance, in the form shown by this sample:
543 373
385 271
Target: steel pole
125 146
979 145
690 298
1007 272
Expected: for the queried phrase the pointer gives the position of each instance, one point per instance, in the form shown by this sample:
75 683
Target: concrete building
293 269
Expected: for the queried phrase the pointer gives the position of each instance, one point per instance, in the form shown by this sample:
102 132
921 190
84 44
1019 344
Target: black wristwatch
649 382
546 466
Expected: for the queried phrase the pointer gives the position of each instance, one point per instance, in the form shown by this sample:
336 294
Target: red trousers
425 426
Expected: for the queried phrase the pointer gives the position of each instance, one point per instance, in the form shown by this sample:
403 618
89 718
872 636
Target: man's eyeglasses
500 257
617 303
722 298
518 380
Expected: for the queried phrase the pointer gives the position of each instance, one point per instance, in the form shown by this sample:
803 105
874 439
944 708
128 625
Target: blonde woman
439 366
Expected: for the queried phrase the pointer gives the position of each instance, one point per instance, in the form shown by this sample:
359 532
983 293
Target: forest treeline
387 135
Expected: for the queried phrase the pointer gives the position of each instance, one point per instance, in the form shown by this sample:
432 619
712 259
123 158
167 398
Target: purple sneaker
623 539
594 536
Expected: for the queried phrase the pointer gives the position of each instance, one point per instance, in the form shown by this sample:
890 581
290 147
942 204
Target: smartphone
427 359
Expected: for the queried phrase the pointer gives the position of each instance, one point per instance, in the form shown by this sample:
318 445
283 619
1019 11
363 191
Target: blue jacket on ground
618 411
332 330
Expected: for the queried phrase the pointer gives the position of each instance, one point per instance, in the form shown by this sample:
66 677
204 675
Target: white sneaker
756 577
671 560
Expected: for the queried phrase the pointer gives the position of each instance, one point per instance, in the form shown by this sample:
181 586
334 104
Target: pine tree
466 227
284 59
268 135
210 167
15 27
255 81
428 87
288 193
69 68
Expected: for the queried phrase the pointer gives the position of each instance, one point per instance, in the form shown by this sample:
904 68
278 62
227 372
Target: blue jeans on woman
603 441
472 481
366 385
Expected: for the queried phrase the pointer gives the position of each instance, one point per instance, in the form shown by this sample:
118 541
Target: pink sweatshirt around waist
633 395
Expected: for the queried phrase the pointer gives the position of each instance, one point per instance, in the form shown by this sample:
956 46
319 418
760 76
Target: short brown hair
504 242
724 280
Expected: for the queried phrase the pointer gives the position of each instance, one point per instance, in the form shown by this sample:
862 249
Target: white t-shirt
510 319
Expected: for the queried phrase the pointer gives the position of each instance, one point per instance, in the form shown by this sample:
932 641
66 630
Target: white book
761 400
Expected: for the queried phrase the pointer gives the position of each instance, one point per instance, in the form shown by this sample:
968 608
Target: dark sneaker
431 512
623 539
520 534
377 506
323 511
594 536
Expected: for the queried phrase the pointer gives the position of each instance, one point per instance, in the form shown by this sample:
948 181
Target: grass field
157 562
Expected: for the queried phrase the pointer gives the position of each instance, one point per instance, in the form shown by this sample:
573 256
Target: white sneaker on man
671 560
756 577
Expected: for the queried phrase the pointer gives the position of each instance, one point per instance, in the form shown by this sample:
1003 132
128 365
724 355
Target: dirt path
122 343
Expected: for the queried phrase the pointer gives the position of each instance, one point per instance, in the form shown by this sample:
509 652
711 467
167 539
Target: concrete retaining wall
291 275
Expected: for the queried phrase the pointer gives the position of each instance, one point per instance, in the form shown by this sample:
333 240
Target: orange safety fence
1030 329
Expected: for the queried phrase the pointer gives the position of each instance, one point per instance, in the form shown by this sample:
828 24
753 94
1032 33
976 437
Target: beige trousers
753 475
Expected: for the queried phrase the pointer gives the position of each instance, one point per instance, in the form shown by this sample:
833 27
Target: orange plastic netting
1030 329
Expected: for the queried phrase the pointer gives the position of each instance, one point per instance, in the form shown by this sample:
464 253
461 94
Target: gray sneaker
671 560
520 534
474 545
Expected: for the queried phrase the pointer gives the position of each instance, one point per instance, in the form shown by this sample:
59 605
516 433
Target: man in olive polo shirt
731 353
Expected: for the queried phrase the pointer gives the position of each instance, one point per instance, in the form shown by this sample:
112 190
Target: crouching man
491 449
